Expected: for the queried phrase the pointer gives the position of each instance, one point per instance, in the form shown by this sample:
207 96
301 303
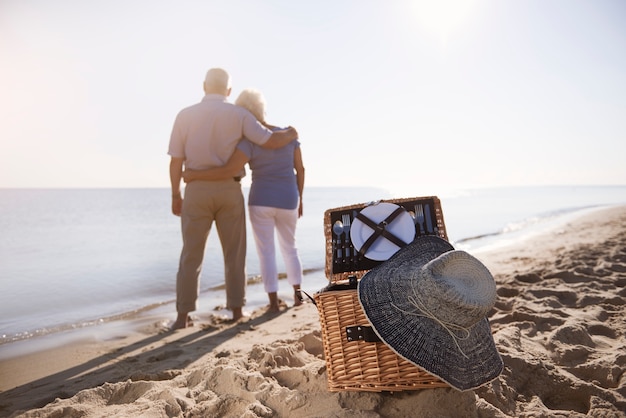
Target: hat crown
456 288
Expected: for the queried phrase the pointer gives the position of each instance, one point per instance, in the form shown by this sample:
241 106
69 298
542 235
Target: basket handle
352 284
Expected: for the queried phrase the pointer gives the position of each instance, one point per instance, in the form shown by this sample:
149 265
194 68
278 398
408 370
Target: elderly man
204 136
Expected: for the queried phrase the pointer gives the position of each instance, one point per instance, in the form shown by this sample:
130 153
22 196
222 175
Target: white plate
401 226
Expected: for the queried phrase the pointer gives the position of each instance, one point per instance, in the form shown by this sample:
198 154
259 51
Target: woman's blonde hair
254 101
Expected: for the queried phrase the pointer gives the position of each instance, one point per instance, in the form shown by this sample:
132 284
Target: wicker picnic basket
356 360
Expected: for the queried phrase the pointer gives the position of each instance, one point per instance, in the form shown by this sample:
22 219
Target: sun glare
442 17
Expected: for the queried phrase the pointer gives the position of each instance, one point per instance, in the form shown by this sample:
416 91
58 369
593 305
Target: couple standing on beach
211 142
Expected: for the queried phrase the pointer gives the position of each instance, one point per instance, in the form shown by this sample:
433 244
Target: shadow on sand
141 360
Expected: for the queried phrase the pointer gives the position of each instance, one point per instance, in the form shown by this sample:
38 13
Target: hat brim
466 362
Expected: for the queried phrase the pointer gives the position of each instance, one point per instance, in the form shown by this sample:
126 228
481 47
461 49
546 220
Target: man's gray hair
217 80
254 101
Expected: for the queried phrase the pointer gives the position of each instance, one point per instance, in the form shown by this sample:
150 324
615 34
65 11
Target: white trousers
265 220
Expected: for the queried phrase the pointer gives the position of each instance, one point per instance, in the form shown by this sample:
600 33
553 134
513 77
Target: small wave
527 224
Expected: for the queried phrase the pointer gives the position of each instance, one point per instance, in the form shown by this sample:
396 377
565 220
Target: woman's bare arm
299 167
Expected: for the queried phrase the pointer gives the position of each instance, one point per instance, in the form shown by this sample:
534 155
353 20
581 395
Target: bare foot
182 321
273 308
274 302
237 314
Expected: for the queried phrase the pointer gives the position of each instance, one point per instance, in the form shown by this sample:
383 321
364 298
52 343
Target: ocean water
75 258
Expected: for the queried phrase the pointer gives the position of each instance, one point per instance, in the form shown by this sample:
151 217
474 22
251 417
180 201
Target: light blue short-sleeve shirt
274 181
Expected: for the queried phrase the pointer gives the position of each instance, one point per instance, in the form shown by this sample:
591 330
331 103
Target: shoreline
213 297
558 324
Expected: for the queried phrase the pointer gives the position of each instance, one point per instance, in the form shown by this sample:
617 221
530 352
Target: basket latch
361 333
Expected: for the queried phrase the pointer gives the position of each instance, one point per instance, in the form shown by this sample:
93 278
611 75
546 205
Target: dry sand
559 323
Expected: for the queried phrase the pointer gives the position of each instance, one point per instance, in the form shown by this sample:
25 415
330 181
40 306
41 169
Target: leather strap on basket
362 333
380 229
309 296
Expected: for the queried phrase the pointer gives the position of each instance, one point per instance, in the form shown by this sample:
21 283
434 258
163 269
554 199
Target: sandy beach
559 325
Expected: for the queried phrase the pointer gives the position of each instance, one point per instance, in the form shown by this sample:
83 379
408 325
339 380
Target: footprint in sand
528 278
570 277
507 292
565 297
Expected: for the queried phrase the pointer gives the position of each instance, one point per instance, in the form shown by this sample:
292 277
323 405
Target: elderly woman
274 202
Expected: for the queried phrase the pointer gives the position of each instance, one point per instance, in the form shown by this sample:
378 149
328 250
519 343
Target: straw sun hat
429 304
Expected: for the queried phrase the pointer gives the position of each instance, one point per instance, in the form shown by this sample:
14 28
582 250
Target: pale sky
392 94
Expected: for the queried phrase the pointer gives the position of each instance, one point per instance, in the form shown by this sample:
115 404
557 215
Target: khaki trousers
206 202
